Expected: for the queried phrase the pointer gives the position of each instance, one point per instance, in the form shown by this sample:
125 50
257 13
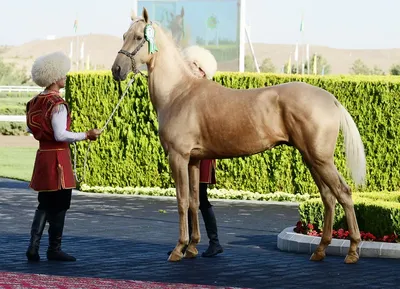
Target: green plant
212 193
12 128
129 154
366 209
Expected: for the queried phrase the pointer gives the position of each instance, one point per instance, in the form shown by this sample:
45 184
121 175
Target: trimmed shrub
375 216
212 193
12 128
129 153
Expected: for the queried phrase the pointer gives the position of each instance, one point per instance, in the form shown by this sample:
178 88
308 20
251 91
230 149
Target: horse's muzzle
117 73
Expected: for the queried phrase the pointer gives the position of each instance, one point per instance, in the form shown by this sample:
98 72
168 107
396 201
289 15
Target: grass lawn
17 162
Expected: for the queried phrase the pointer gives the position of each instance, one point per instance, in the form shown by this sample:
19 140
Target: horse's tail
354 147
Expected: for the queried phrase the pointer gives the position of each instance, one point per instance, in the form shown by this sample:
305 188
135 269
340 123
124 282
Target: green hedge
212 193
12 128
375 196
378 217
129 153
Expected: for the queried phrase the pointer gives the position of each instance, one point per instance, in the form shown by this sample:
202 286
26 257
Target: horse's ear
145 15
182 12
133 14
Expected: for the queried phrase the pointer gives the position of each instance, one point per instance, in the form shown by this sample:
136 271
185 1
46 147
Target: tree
323 67
395 69
267 66
249 64
359 67
293 69
377 71
10 75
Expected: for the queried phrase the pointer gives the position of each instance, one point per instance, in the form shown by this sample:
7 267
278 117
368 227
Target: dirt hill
340 60
103 48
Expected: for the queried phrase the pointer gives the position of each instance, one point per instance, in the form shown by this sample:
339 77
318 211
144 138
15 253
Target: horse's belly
232 148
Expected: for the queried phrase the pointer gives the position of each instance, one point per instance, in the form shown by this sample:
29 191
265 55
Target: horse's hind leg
347 203
191 250
331 177
329 202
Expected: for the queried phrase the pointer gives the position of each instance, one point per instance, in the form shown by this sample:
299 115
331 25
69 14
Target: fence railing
21 88
13 118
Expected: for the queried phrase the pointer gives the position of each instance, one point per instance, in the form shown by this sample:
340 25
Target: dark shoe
212 250
59 256
210 222
38 224
56 227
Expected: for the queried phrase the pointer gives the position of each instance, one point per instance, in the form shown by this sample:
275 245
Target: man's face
61 82
197 70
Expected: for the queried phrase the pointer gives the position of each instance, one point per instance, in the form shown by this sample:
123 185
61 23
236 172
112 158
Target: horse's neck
166 72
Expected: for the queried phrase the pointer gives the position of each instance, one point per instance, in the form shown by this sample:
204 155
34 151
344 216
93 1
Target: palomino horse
201 119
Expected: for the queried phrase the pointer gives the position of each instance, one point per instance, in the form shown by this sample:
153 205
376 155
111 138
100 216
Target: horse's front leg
179 168
191 251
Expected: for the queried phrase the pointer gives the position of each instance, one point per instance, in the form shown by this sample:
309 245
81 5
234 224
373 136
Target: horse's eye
139 38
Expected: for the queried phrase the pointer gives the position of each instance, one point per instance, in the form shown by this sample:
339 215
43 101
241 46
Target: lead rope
101 131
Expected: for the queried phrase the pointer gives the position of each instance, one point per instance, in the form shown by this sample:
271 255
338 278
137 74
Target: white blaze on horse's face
134 51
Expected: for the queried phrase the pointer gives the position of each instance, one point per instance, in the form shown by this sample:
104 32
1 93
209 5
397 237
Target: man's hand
93 134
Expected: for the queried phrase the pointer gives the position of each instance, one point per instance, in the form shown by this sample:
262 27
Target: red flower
367 236
299 227
313 233
309 229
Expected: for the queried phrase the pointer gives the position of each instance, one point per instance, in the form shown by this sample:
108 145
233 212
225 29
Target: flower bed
308 229
380 217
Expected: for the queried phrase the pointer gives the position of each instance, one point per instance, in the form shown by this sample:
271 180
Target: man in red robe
48 119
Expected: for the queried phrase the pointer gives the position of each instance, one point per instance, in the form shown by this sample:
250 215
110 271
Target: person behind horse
203 65
48 119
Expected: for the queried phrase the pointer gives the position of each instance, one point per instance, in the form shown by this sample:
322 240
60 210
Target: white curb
290 241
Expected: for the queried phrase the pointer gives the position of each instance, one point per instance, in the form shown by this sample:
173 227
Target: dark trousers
203 198
55 202
52 208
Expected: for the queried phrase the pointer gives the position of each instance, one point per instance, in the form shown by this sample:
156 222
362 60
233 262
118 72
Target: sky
348 24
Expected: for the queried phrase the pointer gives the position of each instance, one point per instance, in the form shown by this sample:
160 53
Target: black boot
56 227
210 222
38 224
190 234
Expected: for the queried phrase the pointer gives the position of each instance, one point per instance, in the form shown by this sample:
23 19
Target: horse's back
304 96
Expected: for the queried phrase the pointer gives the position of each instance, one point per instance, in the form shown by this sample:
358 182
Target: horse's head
177 26
138 47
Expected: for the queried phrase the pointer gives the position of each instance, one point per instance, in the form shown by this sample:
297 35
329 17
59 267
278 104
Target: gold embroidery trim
51 150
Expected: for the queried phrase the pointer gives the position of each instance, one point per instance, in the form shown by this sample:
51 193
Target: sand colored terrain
103 49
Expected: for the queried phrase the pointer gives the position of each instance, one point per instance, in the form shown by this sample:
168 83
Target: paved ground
128 238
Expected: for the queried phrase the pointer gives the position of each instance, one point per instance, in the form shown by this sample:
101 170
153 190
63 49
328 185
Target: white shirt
59 124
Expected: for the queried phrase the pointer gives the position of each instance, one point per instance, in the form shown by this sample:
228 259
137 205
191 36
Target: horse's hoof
175 257
351 258
317 256
191 253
